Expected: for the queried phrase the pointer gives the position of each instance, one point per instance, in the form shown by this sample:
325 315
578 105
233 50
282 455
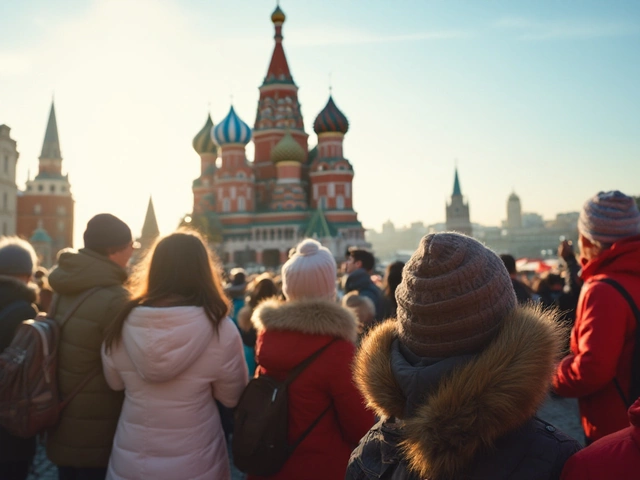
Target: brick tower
47 204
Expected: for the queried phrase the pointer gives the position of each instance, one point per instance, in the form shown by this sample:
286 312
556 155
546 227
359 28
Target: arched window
241 204
340 202
226 205
37 209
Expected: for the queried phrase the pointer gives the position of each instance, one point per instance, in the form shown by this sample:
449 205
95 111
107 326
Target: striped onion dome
287 150
202 142
278 15
231 130
331 119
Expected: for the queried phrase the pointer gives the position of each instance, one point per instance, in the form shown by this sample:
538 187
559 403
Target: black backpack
634 384
260 443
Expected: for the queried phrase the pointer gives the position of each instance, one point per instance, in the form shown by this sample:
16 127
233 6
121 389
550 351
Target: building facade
257 211
457 211
46 207
8 188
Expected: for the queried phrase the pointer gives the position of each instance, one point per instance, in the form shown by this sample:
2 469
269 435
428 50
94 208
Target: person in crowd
598 370
572 281
392 278
174 350
289 332
80 444
522 291
363 308
45 294
236 290
17 303
359 267
616 455
458 376
264 288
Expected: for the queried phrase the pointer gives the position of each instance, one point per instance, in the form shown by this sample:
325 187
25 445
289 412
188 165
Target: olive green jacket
84 435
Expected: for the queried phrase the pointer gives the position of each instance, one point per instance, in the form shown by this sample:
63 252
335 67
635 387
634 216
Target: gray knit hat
453 297
608 217
17 257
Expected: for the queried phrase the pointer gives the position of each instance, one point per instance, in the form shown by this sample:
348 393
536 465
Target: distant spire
150 229
51 145
456 185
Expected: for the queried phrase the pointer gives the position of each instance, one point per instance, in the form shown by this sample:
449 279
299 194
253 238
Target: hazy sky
541 97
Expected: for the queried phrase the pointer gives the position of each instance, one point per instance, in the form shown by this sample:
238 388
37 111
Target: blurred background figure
523 293
392 278
363 308
45 294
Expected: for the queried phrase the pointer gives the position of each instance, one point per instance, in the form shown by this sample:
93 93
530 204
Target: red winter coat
615 456
602 340
288 333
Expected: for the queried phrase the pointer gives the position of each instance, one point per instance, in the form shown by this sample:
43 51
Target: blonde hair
363 307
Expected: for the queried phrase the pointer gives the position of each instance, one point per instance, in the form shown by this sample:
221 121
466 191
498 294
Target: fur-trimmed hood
314 317
474 403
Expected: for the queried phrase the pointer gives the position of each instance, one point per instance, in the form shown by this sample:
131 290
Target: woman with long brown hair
174 352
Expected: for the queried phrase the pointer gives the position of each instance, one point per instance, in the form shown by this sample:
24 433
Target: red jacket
288 333
602 340
614 456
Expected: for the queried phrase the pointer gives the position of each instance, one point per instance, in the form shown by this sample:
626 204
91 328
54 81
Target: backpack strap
79 301
292 376
96 371
636 313
301 367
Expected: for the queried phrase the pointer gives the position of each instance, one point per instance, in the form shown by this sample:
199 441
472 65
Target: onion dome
331 119
202 142
278 15
287 150
40 235
231 130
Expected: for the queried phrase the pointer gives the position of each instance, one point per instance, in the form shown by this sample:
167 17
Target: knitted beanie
17 257
309 273
609 217
453 296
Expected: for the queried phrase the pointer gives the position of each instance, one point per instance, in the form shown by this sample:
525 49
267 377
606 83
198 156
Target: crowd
321 371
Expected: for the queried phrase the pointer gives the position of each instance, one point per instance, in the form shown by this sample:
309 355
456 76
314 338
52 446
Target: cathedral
257 211
457 211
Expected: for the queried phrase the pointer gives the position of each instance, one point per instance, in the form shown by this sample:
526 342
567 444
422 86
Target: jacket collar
472 406
315 317
623 256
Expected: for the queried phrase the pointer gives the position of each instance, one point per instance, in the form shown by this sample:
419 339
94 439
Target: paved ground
561 412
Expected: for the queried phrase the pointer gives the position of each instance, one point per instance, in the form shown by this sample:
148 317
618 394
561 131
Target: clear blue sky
541 97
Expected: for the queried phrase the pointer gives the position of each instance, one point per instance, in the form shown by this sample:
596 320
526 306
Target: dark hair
178 270
265 288
106 251
392 278
363 256
509 262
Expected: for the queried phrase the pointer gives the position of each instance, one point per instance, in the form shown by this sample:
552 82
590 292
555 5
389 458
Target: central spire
278 71
51 144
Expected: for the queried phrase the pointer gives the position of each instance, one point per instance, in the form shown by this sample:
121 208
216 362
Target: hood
359 279
622 258
470 402
85 269
314 317
12 289
163 342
